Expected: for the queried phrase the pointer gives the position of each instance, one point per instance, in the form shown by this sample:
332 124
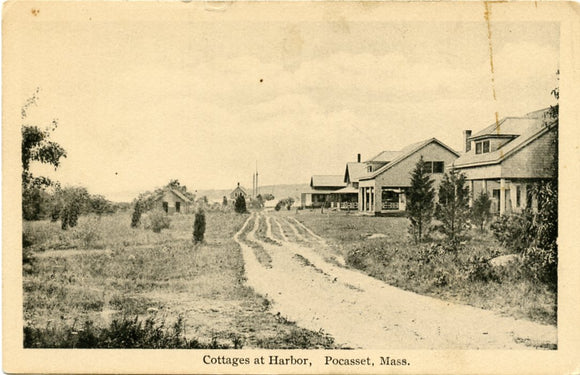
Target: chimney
466 135
358 158
238 184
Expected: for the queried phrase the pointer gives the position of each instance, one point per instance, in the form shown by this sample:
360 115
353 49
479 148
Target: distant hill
278 191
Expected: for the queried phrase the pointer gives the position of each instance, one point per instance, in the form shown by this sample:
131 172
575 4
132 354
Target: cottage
321 187
239 190
383 189
173 201
508 157
347 197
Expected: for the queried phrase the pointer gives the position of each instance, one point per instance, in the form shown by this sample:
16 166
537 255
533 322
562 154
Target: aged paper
211 92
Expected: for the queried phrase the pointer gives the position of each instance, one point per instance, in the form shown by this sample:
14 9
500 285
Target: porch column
484 186
360 199
372 207
502 196
471 193
364 199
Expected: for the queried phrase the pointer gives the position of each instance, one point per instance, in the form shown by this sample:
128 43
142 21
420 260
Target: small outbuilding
239 190
173 201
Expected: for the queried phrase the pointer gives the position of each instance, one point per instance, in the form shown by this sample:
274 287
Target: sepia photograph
279 188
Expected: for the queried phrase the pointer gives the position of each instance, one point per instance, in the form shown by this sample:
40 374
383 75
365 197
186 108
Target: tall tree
420 200
36 147
453 206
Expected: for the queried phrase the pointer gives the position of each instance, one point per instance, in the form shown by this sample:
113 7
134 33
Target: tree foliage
453 207
69 204
420 200
36 147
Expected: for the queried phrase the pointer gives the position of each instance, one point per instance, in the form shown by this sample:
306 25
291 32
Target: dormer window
482 147
369 168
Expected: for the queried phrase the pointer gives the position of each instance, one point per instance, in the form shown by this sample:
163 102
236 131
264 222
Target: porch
507 195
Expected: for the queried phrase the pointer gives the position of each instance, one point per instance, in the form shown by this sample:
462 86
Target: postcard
290 187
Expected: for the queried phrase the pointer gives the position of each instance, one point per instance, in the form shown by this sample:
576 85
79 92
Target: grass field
104 270
465 277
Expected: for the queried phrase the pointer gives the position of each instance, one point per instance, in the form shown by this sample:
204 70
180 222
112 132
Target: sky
140 102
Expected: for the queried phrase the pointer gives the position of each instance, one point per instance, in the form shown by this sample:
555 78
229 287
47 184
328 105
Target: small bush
278 206
157 220
88 233
199 226
480 212
136 217
240 205
516 232
479 268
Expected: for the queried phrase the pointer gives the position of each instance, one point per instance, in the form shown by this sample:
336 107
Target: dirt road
294 268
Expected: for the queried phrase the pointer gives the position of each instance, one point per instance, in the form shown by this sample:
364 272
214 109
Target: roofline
379 161
178 195
476 138
499 160
404 157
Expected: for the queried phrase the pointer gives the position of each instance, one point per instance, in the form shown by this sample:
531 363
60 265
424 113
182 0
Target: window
370 168
485 146
165 207
177 206
434 167
518 196
482 147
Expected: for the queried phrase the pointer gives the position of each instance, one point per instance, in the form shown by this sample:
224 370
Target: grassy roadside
465 277
105 271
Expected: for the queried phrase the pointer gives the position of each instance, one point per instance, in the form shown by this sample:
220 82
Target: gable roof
240 187
524 131
405 153
180 195
354 171
327 181
385 156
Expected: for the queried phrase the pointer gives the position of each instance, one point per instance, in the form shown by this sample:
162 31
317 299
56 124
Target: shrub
542 264
199 226
121 333
137 211
516 232
88 233
479 268
480 212
278 206
240 205
157 221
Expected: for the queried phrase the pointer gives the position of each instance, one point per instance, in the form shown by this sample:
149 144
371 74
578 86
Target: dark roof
523 130
327 181
355 171
405 153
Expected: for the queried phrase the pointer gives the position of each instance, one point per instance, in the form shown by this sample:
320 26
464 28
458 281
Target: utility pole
257 185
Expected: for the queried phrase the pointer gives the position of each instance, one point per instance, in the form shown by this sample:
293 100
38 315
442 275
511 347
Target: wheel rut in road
306 286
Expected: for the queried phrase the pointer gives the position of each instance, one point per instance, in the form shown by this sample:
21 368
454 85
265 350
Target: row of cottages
504 160
507 158
321 188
